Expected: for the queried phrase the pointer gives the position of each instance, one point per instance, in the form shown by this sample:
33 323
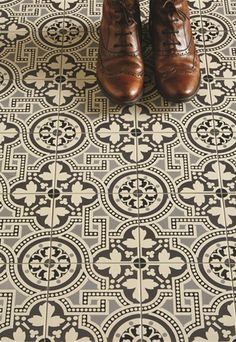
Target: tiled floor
117 224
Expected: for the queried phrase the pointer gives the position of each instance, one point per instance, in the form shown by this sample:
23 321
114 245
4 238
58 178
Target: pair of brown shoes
120 69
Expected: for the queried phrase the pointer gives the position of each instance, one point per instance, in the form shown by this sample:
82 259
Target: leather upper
120 67
175 57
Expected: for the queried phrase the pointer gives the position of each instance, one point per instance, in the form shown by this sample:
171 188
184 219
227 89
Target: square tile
116 222
167 159
179 223
103 226
21 206
188 302
23 295
93 304
95 159
229 210
27 162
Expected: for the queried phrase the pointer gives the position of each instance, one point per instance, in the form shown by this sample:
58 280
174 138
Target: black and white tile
117 223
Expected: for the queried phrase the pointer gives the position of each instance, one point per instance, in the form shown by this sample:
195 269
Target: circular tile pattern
213 29
50 130
6 77
70 32
37 264
144 194
154 329
207 134
215 266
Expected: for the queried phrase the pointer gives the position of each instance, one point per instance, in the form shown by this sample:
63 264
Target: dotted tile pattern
117 224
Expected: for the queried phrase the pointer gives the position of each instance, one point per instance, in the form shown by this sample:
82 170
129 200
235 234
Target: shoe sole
115 101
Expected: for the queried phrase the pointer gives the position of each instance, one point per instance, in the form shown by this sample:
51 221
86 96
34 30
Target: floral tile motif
29 11
20 292
92 10
21 206
27 119
188 302
219 39
220 66
23 160
117 223
93 288
187 216
79 209
193 120
220 9
27 323
186 157
227 176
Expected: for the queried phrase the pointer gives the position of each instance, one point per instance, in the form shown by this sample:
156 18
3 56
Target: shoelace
173 10
129 20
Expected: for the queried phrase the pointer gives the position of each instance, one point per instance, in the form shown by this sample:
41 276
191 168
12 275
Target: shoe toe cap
124 89
179 87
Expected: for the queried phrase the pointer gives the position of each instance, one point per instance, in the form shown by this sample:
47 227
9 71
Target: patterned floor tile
219 40
181 223
23 207
188 302
221 66
95 223
220 14
97 128
22 240
25 164
19 115
227 169
90 9
95 159
232 251
31 70
23 296
102 240
80 64
26 9
127 213
182 119
186 238
176 161
229 212
93 308
26 322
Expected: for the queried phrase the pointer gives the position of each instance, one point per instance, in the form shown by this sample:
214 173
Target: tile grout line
139 235
54 182
220 174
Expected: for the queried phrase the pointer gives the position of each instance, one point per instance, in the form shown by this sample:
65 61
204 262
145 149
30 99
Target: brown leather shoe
176 61
120 69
